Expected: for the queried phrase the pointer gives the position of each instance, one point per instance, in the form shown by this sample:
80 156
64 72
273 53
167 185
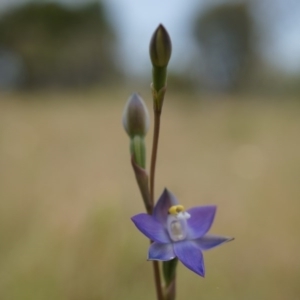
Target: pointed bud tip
160 47
136 116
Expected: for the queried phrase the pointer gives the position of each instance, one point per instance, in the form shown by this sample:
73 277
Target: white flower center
176 223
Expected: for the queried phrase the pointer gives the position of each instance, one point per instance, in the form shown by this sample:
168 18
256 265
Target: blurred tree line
225 37
228 38
46 44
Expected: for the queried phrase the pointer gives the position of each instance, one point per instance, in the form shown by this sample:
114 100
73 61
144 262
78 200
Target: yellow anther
176 209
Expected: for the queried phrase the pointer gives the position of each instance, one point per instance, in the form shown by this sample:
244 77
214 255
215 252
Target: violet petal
210 241
200 221
165 201
162 252
151 228
190 255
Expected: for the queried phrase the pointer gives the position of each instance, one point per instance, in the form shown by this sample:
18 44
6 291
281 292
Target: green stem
159 293
154 153
156 270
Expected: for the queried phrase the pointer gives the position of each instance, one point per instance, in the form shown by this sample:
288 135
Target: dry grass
67 193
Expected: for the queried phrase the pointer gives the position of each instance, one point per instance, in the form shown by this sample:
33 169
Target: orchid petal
210 241
200 221
190 255
151 228
162 252
165 201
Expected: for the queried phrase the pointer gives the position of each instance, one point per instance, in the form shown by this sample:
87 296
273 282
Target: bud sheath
138 150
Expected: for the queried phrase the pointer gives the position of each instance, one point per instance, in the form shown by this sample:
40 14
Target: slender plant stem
154 153
157 279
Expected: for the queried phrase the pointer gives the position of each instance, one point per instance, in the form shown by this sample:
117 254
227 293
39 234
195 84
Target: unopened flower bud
136 116
160 47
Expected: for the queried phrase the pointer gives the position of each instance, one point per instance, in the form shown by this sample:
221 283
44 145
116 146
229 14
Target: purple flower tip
179 233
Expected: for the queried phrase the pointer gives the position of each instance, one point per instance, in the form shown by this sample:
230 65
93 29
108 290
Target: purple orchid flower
179 233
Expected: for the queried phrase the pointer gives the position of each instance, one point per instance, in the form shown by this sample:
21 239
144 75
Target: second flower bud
136 116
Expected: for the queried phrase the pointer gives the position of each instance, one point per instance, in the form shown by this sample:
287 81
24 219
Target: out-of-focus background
230 136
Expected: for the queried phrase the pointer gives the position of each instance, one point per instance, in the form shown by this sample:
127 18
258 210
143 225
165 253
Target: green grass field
67 193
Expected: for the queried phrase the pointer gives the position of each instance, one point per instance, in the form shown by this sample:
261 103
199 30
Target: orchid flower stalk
175 234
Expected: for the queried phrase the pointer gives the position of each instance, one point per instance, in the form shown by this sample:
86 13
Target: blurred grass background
67 194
